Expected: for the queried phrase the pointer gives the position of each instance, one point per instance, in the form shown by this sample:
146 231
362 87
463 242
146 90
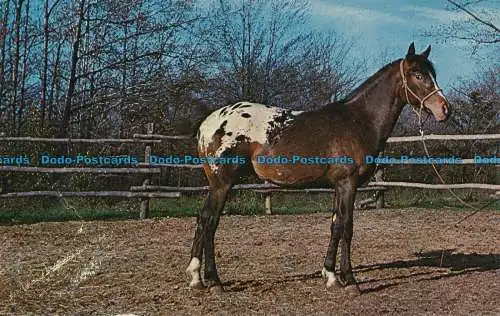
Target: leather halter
408 89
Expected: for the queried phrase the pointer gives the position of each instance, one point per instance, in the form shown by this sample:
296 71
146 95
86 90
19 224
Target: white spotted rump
243 121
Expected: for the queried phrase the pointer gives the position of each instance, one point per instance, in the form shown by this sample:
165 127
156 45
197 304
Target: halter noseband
408 89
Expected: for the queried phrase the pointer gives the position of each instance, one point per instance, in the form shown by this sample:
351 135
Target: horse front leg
331 255
347 191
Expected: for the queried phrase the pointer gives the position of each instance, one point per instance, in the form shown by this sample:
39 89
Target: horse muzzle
441 111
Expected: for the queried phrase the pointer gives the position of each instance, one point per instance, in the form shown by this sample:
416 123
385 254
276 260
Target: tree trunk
22 104
55 86
43 99
3 48
72 79
16 58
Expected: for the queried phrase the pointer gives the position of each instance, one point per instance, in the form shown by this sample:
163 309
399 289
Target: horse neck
377 104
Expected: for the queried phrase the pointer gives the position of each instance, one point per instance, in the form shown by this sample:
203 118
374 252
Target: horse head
420 88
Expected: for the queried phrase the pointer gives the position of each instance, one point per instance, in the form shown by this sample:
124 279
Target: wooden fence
146 191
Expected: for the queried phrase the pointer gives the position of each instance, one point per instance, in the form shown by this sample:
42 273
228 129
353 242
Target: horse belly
289 173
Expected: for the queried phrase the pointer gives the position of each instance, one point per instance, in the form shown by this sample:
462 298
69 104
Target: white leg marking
193 270
329 276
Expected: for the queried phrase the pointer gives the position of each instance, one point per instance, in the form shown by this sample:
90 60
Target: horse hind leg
211 222
194 268
207 223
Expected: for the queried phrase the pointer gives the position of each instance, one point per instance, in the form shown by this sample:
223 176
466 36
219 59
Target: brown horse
355 127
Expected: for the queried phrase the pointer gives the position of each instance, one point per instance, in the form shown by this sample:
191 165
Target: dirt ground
269 265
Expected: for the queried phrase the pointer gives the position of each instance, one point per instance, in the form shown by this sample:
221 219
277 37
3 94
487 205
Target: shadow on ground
444 263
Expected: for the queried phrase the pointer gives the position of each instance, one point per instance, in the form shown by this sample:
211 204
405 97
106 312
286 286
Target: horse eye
418 76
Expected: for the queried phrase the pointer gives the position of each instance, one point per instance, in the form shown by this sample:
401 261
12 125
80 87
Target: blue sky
383 30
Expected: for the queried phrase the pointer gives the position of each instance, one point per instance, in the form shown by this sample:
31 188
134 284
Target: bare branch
489 24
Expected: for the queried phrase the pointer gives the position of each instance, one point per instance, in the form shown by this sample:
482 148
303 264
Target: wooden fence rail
264 187
398 139
161 137
417 185
124 194
79 140
403 139
372 186
79 170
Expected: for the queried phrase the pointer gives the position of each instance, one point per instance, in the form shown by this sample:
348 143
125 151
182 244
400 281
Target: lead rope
422 135
476 209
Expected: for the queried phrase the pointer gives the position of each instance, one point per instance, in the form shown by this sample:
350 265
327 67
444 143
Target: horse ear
426 52
411 50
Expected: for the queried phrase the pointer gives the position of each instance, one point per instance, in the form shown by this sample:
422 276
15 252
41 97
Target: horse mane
368 82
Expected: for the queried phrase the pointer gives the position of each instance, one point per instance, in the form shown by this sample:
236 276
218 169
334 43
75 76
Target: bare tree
480 20
479 29
107 67
477 103
261 51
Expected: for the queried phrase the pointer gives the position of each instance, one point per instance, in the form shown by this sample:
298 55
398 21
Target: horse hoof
216 289
196 286
333 284
193 273
331 280
353 290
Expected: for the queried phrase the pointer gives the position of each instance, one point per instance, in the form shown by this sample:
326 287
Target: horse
355 127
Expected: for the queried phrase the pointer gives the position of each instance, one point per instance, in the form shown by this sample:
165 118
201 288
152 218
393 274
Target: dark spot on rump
221 130
229 133
277 125
245 106
241 138
236 106
223 111
246 115
231 112
282 118
268 106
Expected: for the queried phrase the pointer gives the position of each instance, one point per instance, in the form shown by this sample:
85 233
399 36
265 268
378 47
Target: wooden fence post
144 211
379 195
267 198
